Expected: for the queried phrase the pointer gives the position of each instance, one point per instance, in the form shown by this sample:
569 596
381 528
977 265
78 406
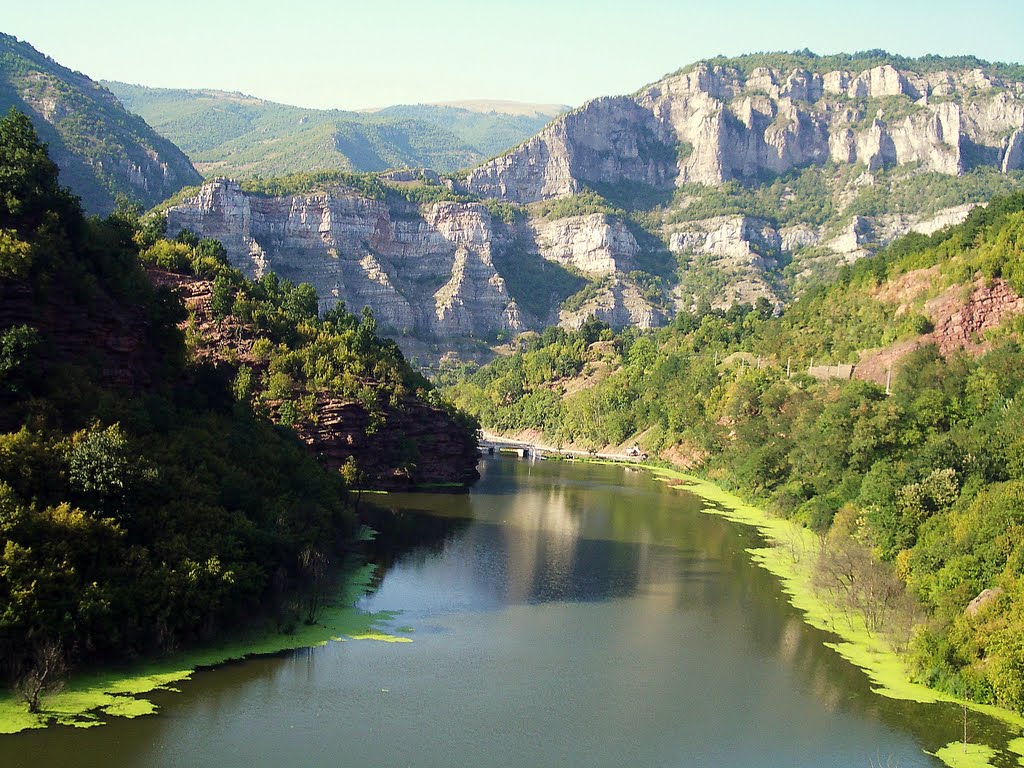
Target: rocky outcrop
712 124
1013 156
106 335
743 248
987 307
425 270
597 244
405 444
740 238
613 139
417 446
618 302
959 323
985 598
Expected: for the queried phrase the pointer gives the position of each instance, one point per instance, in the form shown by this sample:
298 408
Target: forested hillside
231 134
103 151
918 492
147 500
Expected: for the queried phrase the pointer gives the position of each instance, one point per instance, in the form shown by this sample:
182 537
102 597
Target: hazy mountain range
236 135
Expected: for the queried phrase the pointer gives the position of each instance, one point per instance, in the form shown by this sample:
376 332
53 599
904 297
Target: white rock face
744 248
596 244
425 271
1013 157
710 125
854 237
740 238
430 269
949 217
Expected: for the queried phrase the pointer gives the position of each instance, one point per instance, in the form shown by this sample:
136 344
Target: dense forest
147 500
917 493
860 61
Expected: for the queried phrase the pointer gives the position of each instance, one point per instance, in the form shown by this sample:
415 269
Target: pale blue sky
377 52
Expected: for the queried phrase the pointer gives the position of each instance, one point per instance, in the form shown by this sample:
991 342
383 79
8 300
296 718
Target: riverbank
91 699
791 557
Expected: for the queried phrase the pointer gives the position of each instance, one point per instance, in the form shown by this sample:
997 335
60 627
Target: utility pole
788 375
965 728
888 380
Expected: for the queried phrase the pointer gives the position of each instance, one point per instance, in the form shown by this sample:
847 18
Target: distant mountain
237 135
101 149
722 184
490 127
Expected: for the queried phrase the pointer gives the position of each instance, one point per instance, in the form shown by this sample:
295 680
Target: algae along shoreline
790 556
93 698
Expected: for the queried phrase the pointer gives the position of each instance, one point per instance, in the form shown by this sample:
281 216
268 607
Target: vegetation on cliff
143 503
302 371
860 61
916 492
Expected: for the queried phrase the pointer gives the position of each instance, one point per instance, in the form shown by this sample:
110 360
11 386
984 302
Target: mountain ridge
103 150
237 134
707 187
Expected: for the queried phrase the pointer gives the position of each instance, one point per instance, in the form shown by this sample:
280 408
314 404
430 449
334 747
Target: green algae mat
91 700
790 557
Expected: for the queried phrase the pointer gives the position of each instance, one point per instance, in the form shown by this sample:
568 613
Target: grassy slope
91 699
234 134
489 133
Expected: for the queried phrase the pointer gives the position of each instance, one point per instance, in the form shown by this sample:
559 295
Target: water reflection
561 614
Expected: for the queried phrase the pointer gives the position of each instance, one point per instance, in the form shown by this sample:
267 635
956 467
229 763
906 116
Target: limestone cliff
425 270
595 244
711 124
726 182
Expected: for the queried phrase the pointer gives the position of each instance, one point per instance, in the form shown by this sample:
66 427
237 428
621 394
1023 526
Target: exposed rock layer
425 270
713 124
408 444
428 270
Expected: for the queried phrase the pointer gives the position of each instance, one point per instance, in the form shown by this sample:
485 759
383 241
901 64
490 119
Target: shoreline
92 698
789 556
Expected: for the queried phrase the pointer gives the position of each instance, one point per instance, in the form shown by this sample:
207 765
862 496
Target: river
560 615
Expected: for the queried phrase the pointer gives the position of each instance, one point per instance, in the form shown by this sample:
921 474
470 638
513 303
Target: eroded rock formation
430 271
421 269
712 124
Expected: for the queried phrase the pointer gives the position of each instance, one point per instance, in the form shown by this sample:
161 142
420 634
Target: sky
354 55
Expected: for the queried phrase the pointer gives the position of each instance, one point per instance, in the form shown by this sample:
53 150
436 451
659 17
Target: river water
560 615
